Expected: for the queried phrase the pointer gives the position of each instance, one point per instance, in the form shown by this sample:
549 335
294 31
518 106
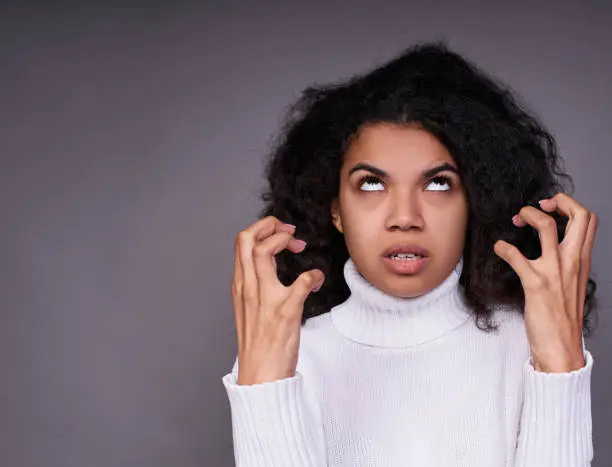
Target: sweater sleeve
556 426
275 423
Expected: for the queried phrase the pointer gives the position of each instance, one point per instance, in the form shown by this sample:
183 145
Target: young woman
417 288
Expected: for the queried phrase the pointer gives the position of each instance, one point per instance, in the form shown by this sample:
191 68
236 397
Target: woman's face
391 195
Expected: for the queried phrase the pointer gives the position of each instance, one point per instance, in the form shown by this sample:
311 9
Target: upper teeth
405 255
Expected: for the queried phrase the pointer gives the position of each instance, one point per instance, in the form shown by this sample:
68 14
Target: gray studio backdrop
131 149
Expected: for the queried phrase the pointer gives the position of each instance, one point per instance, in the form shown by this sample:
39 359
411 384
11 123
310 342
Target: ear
335 215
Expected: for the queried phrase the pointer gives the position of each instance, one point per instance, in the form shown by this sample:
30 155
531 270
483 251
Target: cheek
361 227
361 233
361 215
450 221
457 218
455 227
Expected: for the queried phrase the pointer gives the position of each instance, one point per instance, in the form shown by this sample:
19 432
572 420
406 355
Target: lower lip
406 266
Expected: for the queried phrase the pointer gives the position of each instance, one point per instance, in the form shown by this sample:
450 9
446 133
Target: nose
405 212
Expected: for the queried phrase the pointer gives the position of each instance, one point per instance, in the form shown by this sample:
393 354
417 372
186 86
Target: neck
373 317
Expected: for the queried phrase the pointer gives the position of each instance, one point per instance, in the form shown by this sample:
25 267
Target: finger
546 227
267 226
589 240
294 246
263 229
264 255
304 285
248 238
236 290
246 242
575 232
585 259
512 255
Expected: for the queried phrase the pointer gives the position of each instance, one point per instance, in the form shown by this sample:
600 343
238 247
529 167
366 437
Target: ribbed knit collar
372 317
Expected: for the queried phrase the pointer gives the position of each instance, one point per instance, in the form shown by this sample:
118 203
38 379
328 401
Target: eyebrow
425 174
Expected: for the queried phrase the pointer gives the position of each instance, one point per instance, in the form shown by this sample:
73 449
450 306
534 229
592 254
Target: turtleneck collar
373 317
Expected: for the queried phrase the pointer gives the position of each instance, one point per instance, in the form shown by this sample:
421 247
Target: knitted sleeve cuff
271 424
556 424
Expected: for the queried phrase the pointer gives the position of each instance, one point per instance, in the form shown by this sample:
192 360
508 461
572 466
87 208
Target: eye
440 182
370 182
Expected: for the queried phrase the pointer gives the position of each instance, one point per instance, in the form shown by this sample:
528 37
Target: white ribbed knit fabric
390 382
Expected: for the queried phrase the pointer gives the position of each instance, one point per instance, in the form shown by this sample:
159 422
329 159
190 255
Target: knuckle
259 251
548 223
286 236
269 220
584 215
512 251
243 236
305 285
307 280
249 296
591 220
573 265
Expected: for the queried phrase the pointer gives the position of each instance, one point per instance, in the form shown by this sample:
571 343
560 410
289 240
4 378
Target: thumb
309 281
512 255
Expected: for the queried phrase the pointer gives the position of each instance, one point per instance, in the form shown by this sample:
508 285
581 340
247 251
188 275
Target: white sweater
386 381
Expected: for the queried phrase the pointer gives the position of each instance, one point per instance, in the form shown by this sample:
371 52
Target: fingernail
515 218
291 226
300 243
317 288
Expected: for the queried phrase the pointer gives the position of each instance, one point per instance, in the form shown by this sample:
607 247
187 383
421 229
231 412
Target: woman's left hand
555 283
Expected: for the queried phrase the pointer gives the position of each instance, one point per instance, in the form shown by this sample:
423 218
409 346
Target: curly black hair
506 160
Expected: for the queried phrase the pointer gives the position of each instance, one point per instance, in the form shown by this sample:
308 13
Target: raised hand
268 313
555 283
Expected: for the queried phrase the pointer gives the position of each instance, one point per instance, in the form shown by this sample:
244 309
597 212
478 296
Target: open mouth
404 256
412 261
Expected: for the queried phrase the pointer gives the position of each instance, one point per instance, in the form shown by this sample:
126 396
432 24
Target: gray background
131 149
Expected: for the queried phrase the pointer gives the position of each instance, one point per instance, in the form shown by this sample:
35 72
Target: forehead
390 147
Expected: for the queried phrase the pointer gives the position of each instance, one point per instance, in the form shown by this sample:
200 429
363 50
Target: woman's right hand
268 314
